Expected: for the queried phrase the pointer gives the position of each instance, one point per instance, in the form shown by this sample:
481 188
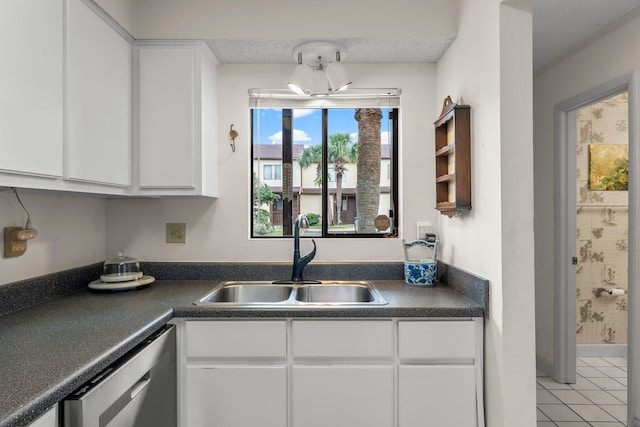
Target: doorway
574 243
602 236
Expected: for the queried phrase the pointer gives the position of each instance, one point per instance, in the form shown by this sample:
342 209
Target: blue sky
307 125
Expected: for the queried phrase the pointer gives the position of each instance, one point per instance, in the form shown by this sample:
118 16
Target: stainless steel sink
267 294
247 293
332 293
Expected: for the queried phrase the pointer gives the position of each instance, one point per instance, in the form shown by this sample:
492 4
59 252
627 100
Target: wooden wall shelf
453 158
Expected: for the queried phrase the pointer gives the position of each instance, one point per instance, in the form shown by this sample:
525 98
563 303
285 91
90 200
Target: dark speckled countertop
50 349
404 301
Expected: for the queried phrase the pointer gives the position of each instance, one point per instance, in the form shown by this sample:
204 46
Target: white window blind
350 98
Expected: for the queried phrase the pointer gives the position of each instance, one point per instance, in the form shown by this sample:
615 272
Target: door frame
564 366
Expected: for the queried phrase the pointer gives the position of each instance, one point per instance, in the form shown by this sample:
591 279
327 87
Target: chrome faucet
299 263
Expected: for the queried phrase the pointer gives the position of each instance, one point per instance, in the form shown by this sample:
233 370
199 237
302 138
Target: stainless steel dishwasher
139 390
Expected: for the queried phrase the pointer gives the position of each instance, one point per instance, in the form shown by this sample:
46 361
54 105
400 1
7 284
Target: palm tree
368 186
313 155
341 151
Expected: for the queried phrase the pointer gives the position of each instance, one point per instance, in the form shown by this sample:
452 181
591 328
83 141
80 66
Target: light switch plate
176 232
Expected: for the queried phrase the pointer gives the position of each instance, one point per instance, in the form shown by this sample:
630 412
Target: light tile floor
597 399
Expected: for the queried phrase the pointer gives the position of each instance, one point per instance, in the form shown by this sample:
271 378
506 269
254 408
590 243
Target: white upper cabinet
176 119
99 92
80 112
31 87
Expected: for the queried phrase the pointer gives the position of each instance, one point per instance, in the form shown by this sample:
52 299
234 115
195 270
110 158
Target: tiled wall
602 230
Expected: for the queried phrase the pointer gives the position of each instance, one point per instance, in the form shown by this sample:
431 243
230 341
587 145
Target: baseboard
601 350
544 366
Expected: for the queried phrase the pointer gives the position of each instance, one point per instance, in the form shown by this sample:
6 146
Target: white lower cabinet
236 373
332 372
440 373
237 396
342 396
437 395
342 373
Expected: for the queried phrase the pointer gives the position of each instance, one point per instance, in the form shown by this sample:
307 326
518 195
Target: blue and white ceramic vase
420 270
420 273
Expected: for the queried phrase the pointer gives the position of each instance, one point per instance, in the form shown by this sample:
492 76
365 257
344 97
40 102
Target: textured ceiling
358 50
559 28
562 26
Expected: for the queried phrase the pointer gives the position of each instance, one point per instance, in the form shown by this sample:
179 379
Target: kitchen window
301 158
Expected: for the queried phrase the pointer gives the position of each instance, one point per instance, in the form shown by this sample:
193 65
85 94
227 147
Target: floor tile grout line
571 409
600 362
604 391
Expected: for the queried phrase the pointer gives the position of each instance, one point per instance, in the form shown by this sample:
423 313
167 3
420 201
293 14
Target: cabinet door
363 340
98 99
236 396
437 395
437 341
342 396
166 114
31 87
237 340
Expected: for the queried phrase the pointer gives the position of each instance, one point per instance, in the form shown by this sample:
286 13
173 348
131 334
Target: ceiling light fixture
301 77
318 73
337 75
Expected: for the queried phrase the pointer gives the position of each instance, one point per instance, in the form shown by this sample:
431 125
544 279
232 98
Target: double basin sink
329 293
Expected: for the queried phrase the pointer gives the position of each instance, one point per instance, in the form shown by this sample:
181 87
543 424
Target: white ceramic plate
115 277
116 286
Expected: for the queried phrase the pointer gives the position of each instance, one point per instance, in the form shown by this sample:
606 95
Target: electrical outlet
423 227
13 248
176 232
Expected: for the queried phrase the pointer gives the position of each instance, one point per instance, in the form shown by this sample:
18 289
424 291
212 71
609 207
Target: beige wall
218 230
71 232
283 19
597 63
495 239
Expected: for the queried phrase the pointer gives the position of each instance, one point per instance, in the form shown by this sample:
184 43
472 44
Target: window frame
394 166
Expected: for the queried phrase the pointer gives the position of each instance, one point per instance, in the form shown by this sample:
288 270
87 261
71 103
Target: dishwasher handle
142 383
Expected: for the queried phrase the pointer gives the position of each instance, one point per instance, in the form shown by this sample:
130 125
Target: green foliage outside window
262 195
313 219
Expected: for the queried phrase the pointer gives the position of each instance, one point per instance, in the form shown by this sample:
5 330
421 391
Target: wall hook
233 134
